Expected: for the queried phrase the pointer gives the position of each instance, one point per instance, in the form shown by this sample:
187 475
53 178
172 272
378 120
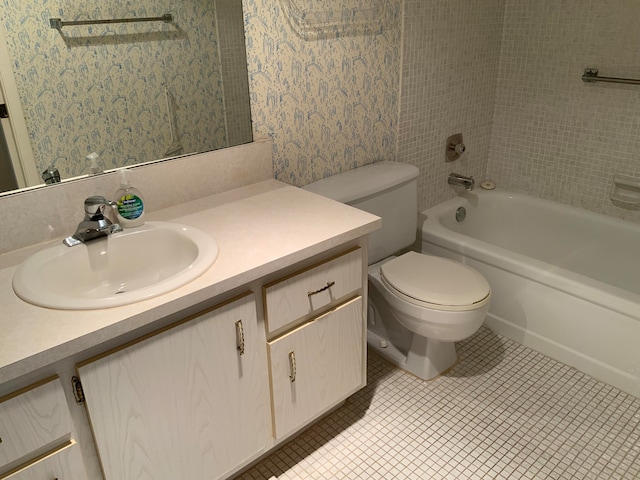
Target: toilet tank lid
363 181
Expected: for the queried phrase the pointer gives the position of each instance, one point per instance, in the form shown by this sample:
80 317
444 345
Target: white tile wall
450 63
555 136
507 74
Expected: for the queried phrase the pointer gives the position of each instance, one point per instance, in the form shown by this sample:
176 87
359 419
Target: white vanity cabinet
188 402
316 366
36 434
63 464
320 360
204 396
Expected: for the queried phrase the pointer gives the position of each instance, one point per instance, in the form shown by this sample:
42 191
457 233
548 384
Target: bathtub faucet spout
467 182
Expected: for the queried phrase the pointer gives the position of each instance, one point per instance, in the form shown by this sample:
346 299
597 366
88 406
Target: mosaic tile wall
451 53
234 71
118 72
327 97
555 136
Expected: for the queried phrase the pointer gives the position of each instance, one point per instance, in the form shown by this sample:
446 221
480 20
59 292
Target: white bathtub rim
471 197
593 291
571 283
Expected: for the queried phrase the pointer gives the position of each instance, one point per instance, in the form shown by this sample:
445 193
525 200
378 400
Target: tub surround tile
555 136
451 53
507 74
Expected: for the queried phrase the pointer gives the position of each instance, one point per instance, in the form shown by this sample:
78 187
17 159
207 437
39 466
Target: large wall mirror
131 91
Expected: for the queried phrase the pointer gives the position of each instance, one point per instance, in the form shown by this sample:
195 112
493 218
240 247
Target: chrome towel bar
591 75
57 23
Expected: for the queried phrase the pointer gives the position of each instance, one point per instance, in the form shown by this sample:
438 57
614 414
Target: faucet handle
455 147
95 205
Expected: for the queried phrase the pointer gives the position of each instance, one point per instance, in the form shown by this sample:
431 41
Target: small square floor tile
504 411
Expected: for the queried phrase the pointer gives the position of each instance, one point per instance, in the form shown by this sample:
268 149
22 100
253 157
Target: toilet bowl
434 297
419 304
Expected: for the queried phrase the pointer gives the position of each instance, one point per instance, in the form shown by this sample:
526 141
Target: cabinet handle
240 337
292 366
328 285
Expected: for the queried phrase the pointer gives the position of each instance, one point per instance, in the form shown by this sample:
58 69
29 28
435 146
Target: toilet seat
435 282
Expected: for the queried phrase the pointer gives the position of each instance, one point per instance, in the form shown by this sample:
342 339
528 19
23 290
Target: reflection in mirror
132 91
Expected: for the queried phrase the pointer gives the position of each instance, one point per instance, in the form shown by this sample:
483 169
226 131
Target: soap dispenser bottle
129 203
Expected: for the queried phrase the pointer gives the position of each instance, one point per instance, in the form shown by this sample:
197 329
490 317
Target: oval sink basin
119 269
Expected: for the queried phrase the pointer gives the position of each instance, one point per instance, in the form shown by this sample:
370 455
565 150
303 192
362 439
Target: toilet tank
386 189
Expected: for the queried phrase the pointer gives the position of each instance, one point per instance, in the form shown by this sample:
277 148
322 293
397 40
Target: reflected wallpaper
102 88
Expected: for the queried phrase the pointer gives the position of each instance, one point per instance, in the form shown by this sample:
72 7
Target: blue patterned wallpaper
101 88
327 97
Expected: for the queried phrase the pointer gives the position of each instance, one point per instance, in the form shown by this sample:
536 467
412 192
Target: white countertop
260 229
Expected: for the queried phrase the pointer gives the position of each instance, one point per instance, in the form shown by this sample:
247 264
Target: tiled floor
503 412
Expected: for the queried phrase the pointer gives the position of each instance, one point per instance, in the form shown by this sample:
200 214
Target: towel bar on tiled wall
591 76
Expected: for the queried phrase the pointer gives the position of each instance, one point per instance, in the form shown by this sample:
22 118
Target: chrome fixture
455 147
95 224
591 76
467 182
51 175
461 214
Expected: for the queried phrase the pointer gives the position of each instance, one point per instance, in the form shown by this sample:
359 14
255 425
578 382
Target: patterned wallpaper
101 88
327 96
339 94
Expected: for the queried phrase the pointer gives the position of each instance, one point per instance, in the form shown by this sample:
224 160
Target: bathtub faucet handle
455 147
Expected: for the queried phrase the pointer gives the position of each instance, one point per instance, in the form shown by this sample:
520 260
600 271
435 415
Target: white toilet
418 304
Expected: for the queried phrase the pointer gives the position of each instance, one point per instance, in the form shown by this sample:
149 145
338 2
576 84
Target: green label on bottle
130 207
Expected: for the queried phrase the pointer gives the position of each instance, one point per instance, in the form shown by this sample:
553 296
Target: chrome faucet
95 224
467 182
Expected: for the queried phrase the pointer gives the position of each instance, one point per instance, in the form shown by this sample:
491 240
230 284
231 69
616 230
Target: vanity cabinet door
64 464
316 366
190 402
32 421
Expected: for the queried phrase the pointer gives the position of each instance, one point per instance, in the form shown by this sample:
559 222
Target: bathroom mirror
132 89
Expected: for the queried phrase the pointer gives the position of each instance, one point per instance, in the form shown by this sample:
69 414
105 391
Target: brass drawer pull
292 366
327 286
240 337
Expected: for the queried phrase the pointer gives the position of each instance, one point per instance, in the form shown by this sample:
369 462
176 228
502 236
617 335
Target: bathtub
565 282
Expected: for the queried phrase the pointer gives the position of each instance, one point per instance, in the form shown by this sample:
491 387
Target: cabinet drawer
304 294
63 464
32 419
316 366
